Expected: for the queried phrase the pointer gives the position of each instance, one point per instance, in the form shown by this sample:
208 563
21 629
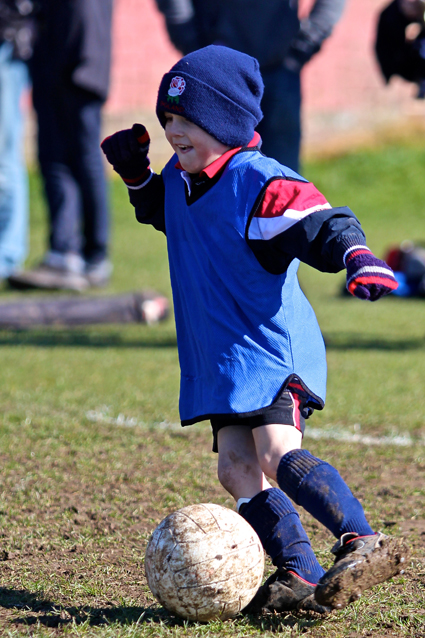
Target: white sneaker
98 275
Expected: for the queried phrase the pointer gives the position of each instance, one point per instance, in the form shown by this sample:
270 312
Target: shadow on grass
356 341
55 338
37 609
61 338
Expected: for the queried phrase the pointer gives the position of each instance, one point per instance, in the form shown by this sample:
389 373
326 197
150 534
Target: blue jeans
13 175
280 128
71 162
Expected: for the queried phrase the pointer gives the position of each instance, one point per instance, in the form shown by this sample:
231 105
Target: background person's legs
13 175
61 188
280 128
86 162
76 192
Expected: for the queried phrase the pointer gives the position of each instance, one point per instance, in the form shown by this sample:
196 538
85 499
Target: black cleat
285 591
361 562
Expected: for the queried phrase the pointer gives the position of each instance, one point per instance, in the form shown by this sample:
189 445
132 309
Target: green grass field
93 457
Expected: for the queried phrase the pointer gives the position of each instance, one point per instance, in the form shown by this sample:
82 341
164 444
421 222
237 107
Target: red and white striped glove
367 276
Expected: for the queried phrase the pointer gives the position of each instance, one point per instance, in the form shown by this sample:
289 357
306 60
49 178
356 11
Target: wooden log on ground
147 307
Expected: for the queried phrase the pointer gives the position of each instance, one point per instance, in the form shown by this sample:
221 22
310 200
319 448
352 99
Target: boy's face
195 148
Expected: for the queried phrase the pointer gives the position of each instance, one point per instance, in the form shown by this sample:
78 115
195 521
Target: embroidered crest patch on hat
177 86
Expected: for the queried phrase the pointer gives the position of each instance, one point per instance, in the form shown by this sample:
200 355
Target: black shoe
48 277
285 591
361 562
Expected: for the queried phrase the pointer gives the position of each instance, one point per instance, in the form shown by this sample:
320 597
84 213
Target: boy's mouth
183 148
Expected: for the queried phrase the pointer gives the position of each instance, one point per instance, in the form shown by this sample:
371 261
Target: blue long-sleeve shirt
304 225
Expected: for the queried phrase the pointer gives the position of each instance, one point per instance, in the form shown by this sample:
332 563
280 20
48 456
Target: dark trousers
69 120
280 129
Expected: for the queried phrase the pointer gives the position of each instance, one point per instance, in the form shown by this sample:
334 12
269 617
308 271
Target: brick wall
343 90
141 55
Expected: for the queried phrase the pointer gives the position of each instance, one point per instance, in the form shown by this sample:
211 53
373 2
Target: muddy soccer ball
203 562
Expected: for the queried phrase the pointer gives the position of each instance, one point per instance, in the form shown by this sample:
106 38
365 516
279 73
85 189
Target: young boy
251 353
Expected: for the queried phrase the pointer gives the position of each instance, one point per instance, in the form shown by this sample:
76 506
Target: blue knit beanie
217 88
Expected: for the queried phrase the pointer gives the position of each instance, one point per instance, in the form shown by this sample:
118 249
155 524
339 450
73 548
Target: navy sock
279 528
320 490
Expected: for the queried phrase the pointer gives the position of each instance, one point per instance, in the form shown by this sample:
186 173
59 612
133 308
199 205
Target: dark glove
127 151
367 276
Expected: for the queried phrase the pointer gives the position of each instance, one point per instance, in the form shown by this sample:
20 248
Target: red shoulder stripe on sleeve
284 203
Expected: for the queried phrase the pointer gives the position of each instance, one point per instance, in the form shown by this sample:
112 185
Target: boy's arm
127 151
292 219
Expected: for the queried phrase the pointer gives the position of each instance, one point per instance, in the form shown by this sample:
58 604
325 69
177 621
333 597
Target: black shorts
289 409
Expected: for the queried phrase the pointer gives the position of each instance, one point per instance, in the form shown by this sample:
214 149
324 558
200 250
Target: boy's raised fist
127 151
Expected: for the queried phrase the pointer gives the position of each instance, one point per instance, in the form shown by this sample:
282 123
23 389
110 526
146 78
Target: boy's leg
274 518
363 557
238 468
319 488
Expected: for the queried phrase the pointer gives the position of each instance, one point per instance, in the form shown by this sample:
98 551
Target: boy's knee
239 475
269 464
231 471
270 460
272 442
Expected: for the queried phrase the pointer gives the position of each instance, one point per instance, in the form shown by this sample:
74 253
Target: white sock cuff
242 501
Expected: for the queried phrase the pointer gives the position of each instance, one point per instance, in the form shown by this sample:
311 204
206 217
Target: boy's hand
127 151
367 276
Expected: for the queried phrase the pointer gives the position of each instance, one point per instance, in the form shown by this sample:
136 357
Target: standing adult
17 28
397 53
271 32
70 74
